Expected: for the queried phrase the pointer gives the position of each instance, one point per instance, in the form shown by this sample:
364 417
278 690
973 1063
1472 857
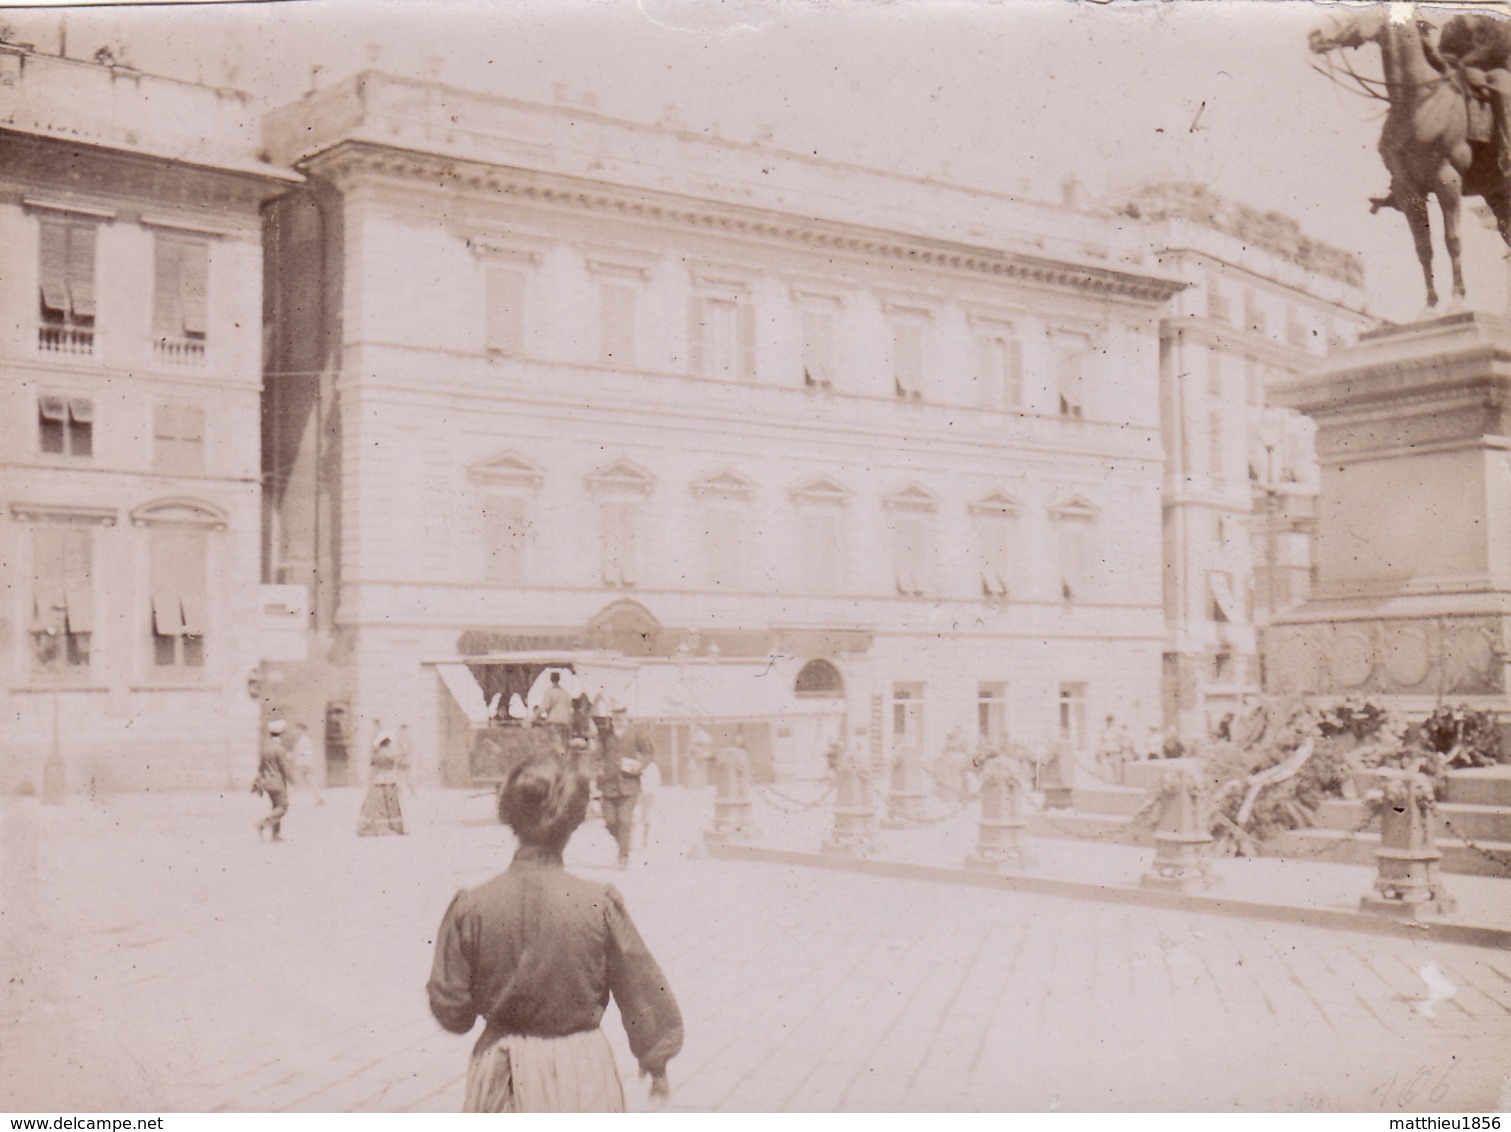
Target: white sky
1007 95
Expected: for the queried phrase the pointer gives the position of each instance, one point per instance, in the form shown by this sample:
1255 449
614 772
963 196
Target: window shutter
167 563
191 583
81 241
1014 376
49 601
194 280
506 534
167 298
78 589
986 375
53 267
695 351
747 340
629 549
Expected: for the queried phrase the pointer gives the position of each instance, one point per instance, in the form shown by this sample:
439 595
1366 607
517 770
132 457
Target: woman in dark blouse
536 952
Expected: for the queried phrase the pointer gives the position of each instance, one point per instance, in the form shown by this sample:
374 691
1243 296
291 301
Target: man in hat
274 773
626 750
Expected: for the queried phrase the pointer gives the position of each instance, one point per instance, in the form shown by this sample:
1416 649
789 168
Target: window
819 319
910 514
62 623
507 534
722 336
66 285
1073 716
619 534
991 714
504 331
65 425
907 717
1070 375
723 532
1254 314
180 310
912 552
908 352
616 316
178 599
823 552
1217 439
999 369
1075 528
996 523
178 438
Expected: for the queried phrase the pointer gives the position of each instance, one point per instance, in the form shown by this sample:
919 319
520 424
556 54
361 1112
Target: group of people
284 763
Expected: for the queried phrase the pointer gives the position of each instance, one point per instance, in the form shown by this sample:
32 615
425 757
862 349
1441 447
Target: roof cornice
350 162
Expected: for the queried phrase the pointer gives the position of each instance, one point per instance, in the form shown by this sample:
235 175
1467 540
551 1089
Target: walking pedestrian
537 952
625 751
274 773
303 752
381 814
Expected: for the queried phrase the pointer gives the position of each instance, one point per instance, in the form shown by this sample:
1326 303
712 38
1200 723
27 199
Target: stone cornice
351 162
100 176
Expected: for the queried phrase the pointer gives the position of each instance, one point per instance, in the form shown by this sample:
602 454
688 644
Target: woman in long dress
380 812
536 952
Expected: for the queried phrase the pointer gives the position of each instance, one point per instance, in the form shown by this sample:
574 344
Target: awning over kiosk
465 690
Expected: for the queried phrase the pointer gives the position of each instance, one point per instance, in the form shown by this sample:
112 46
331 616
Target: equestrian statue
1448 129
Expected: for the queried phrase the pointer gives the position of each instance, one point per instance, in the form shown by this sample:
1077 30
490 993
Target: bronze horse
1425 143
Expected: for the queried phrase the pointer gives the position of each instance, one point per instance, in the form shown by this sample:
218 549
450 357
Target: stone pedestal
999 842
854 833
1413 543
1407 881
1181 838
733 821
908 791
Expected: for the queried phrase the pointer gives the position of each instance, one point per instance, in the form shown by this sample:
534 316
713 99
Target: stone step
1076 825
1491 859
1124 801
1146 775
1456 821
1481 786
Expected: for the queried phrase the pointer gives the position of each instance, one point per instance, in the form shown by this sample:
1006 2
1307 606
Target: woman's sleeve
651 1017
450 986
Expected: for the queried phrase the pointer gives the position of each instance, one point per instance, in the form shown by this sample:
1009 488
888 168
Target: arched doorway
819 680
818 717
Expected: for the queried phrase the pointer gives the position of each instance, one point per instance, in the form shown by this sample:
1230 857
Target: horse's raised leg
1414 206
1450 193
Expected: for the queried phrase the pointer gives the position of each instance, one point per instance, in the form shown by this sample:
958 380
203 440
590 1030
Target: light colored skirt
380 811
523 1074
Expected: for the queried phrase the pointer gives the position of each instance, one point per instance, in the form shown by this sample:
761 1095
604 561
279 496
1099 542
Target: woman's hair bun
542 801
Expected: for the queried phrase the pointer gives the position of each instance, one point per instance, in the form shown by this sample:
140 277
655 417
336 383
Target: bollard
906 793
732 808
1406 863
854 813
1181 836
1000 840
1059 778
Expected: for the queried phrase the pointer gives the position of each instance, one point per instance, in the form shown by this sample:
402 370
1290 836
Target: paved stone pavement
161 958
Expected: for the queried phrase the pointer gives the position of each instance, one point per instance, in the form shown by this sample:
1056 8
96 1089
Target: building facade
541 379
1264 304
129 492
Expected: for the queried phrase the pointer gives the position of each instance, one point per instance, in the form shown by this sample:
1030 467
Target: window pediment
727 484
997 503
911 498
64 513
822 492
180 512
1075 509
622 478
507 470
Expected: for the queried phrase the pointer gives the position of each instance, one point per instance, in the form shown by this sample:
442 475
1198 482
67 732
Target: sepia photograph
752 556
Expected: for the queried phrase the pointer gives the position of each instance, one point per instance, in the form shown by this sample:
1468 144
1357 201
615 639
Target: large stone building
828 448
129 492
1264 304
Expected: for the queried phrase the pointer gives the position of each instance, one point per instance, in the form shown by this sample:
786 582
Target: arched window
819 680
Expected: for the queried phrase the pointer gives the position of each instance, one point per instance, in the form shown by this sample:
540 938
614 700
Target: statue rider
1480 47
